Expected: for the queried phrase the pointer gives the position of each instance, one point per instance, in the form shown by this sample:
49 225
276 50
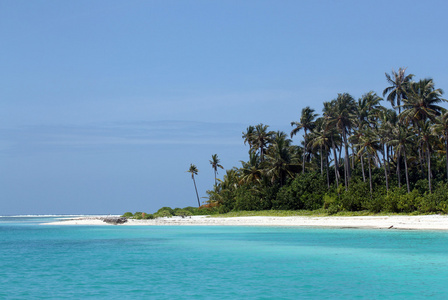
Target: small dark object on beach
115 220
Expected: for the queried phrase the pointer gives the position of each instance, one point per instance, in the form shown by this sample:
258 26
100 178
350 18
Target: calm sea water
126 262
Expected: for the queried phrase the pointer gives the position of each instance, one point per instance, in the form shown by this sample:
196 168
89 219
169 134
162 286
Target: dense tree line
356 155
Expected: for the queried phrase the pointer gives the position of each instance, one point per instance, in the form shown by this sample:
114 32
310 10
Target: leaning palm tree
215 164
194 171
397 91
306 123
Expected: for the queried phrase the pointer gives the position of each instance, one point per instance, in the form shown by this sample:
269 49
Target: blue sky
104 104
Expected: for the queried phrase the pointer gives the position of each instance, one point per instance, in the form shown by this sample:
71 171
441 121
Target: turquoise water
174 262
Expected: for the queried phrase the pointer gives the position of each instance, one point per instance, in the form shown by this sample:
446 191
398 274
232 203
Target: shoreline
422 222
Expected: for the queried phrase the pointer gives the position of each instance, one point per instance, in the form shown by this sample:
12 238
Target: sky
104 104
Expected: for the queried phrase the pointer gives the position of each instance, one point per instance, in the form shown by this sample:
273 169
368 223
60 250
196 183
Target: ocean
218 262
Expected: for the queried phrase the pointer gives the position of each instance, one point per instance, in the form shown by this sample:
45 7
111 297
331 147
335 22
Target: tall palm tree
427 140
441 128
342 118
194 171
321 138
329 115
420 105
306 123
397 90
215 164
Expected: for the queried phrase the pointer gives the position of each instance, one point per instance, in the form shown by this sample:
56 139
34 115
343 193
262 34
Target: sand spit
426 222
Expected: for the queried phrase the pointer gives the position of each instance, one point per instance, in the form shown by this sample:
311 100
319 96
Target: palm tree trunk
420 157
197 195
398 167
446 154
388 159
328 170
429 169
346 162
370 175
353 156
336 167
340 153
362 168
321 161
215 176
406 170
304 153
385 172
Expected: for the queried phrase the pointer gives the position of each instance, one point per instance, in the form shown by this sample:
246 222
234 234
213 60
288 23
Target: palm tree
369 144
281 162
427 139
248 136
194 171
368 109
261 139
397 91
388 121
321 138
403 137
421 102
251 170
215 164
329 114
441 128
306 123
342 118
420 105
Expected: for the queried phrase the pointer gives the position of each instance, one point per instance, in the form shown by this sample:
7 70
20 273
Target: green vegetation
168 212
302 213
358 156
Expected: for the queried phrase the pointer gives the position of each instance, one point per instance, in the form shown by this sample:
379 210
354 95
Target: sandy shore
428 222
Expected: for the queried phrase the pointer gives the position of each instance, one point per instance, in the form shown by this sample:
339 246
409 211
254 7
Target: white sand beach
424 222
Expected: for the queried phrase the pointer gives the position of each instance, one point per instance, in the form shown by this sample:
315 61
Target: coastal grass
304 213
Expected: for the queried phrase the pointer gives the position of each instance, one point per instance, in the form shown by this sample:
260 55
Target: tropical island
359 158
